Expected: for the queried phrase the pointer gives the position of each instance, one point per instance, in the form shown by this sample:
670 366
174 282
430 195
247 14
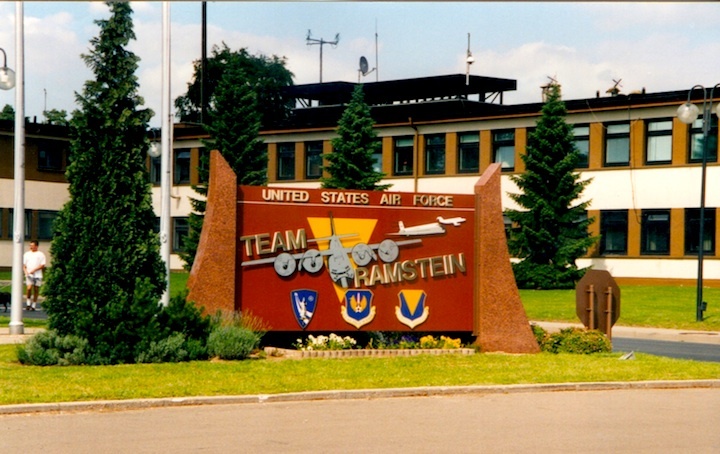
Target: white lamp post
7 75
688 113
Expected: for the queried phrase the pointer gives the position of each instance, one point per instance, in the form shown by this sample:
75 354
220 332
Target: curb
385 393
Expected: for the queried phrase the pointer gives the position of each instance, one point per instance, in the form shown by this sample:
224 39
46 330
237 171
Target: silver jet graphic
338 262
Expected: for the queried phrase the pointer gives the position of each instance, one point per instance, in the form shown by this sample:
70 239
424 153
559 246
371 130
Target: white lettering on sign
285 195
263 243
433 200
345 198
391 199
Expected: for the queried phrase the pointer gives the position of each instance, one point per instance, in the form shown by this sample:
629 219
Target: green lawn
654 306
28 384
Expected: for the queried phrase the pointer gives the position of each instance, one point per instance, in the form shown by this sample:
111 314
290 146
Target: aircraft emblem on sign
334 257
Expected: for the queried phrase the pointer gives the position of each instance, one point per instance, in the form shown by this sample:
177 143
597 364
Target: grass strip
32 384
671 307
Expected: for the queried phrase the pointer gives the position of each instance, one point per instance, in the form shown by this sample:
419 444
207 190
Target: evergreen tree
351 161
552 229
234 124
107 276
8 113
266 77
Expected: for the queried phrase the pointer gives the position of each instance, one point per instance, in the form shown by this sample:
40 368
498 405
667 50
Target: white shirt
32 260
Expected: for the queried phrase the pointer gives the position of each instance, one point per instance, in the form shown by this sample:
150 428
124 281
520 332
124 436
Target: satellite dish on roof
364 66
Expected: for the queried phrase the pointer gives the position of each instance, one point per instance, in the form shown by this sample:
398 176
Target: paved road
619 421
685 350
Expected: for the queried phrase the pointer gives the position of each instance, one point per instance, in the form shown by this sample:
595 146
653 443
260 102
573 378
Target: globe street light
688 113
7 75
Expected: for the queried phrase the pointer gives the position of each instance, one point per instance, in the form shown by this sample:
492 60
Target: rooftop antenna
469 60
363 70
377 66
312 41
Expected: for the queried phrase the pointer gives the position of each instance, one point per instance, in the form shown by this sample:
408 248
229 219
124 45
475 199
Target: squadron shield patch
412 310
358 309
303 304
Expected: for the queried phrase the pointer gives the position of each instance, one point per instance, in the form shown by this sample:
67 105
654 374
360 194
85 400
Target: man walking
33 265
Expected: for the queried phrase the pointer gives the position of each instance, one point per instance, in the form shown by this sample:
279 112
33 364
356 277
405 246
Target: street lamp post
7 75
688 113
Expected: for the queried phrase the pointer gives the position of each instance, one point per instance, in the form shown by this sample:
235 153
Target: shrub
168 350
392 340
576 340
232 342
185 318
47 348
539 333
246 320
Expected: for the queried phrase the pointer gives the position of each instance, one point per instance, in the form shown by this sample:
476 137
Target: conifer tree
233 127
106 275
265 77
552 228
351 161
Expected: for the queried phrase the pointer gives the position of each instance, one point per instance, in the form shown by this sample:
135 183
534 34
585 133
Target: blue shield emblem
413 309
303 304
358 309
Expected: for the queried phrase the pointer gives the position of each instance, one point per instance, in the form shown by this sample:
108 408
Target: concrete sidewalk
673 335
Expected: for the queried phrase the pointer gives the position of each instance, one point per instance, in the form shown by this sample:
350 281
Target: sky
659 46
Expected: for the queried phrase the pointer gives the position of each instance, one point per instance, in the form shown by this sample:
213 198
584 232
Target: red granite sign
335 260
320 260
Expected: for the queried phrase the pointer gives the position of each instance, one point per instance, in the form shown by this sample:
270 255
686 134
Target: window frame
406 151
435 154
610 220
583 152
179 231
616 137
41 233
653 229
313 158
286 155
692 231
182 157
469 147
54 156
654 137
695 136
505 145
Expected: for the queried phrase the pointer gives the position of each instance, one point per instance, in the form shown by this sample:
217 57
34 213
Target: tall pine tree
351 161
552 229
265 76
106 276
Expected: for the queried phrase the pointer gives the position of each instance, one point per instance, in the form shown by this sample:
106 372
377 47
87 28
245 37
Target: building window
203 165
696 140
28 223
582 143
435 154
155 170
51 156
469 152
659 142
655 232
45 224
613 232
403 156
182 166
504 149
377 160
692 231
180 231
286 161
617 144
313 160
